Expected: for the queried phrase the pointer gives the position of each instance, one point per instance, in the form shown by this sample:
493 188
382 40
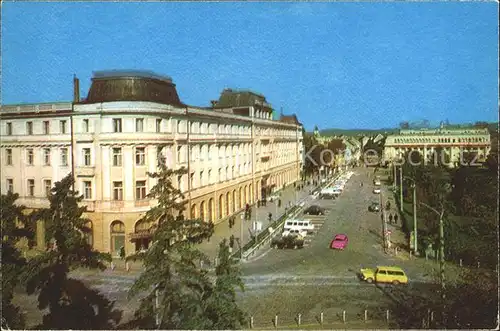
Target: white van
304 225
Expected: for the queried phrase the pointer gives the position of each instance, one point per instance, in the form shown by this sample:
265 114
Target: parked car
394 275
294 232
328 196
314 210
376 190
375 206
377 182
339 242
293 242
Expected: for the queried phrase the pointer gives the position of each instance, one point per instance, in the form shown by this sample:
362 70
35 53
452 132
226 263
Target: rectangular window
87 190
10 185
85 125
117 157
9 129
140 190
191 180
46 127
117 190
139 125
179 154
117 125
201 178
220 175
30 156
140 156
46 156
62 126
86 156
29 128
179 183
64 156
178 126
158 125
210 176
31 187
8 156
47 185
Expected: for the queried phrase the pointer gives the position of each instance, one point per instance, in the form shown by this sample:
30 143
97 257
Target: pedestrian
390 218
122 252
270 216
395 218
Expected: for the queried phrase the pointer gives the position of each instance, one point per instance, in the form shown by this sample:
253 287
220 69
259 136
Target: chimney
214 103
76 89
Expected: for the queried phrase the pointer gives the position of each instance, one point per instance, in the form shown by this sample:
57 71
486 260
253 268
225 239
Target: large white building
234 152
453 141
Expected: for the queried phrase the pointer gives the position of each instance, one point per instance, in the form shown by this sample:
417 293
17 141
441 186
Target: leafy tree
172 275
70 304
12 261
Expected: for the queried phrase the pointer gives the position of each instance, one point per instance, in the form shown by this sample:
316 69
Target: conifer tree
221 308
15 226
70 303
177 288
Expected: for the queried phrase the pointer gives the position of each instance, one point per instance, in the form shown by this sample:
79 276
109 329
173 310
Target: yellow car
394 275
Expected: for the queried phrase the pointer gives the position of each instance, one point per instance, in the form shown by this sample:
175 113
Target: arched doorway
143 234
193 211
234 200
211 209
228 203
202 211
250 193
117 230
89 235
221 206
245 195
241 197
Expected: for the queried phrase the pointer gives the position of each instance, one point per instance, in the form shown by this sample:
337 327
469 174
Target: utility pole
441 255
241 236
401 189
384 225
394 177
415 230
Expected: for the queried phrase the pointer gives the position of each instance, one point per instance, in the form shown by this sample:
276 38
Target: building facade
234 153
453 141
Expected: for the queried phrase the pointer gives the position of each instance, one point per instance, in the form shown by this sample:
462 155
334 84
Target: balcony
85 171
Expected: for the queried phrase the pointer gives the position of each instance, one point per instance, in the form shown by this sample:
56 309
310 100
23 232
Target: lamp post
441 247
401 189
415 240
384 225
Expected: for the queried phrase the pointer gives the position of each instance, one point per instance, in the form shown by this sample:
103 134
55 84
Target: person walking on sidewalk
396 218
390 218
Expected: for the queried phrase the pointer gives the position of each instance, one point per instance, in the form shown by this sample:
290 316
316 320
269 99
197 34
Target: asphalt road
348 214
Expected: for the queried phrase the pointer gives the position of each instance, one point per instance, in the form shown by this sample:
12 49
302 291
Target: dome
109 86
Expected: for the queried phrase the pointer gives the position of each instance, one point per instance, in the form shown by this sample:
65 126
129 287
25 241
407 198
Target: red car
339 242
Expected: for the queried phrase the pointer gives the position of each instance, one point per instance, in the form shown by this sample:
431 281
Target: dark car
293 242
314 210
327 196
375 206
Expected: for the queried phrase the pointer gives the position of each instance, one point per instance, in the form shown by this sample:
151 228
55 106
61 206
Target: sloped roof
240 98
289 119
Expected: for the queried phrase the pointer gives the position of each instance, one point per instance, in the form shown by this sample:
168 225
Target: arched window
202 211
211 209
117 232
221 206
193 211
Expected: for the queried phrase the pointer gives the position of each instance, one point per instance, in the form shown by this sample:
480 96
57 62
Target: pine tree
71 304
221 308
172 275
13 262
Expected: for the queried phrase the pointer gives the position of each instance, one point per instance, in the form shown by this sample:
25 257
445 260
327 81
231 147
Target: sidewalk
261 214
222 230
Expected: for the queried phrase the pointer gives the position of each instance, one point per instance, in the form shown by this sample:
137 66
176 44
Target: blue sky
344 65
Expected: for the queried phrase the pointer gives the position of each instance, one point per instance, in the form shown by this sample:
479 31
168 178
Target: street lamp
441 246
415 240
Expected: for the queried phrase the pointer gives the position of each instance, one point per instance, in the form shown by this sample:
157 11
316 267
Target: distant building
452 140
234 152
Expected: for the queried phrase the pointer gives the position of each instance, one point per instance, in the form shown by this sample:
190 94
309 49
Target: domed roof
128 85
